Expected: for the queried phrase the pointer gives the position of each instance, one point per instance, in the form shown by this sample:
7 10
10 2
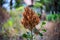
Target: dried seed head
30 19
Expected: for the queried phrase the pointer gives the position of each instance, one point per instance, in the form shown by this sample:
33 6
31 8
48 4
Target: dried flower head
30 19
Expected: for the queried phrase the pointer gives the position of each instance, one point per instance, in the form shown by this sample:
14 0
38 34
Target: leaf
40 34
25 35
43 23
44 30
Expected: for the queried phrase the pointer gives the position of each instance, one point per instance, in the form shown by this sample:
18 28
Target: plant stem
31 36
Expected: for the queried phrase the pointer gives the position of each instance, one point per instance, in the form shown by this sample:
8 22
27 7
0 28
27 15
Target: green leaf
25 35
44 30
43 23
40 34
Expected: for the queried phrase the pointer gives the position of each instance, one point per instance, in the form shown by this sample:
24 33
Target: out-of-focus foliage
1 2
13 26
53 17
46 1
8 24
21 8
37 4
4 15
18 3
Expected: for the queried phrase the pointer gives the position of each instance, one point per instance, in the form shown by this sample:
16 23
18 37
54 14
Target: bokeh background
11 14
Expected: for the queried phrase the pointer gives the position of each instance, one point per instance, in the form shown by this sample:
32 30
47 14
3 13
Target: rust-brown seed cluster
30 19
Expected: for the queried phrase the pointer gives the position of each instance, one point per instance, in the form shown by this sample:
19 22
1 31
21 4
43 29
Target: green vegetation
13 26
53 17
